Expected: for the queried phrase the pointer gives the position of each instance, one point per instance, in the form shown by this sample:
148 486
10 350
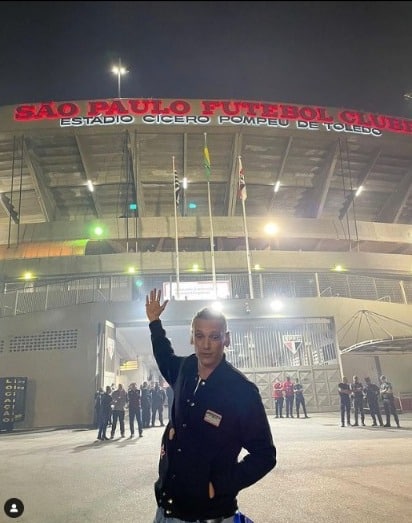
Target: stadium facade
296 217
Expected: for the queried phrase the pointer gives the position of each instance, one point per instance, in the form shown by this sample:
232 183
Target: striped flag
177 189
206 161
242 184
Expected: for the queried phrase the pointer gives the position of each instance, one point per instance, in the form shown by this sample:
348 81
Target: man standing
277 395
217 413
388 402
288 391
105 413
133 397
169 395
119 400
357 393
299 398
344 393
145 397
372 396
158 401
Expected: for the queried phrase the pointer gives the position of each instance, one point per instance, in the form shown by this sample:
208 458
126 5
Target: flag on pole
206 160
242 184
177 189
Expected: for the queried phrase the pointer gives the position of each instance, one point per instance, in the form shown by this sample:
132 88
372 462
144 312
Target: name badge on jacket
213 418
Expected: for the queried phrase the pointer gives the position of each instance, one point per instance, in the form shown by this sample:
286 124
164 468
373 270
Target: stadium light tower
119 70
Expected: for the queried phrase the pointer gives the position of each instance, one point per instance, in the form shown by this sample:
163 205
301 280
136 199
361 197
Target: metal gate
304 348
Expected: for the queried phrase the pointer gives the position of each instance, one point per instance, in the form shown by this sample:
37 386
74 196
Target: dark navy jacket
212 421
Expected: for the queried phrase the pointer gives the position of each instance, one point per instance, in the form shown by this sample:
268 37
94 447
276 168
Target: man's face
209 340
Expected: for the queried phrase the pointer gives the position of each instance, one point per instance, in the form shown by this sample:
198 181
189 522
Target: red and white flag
242 184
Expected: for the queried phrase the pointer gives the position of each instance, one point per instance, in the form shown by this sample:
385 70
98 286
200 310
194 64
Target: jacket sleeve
163 352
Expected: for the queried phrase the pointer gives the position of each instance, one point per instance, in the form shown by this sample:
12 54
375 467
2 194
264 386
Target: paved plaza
325 474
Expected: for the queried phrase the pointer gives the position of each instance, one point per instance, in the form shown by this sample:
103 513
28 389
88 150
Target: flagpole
212 246
176 233
243 198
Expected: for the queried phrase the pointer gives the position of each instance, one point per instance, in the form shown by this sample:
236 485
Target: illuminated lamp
276 305
217 306
192 205
271 228
98 231
28 276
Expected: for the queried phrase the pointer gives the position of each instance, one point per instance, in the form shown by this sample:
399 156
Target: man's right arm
163 352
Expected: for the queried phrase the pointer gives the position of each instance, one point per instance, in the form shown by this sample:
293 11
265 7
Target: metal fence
26 297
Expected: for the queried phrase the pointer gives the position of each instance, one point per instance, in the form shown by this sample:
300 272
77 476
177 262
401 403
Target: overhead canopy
395 345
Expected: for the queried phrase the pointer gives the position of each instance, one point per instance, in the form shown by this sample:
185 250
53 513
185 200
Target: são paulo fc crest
292 342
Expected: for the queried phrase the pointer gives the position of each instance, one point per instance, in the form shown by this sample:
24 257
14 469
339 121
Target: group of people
356 394
144 405
286 393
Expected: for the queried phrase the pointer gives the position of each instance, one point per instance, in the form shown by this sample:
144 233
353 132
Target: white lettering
96 120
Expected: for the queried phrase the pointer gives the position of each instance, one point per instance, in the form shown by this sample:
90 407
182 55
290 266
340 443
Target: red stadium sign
205 112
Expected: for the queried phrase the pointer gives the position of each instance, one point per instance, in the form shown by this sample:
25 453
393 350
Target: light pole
119 70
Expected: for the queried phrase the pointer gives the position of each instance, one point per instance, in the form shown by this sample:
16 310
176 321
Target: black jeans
345 409
146 416
389 406
135 413
300 400
358 406
118 415
289 406
375 412
157 409
279 407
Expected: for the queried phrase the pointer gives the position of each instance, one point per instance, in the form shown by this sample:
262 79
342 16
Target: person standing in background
289 395
388 398
277 395
133 397
344 394
299 398
357 394
145 398
119 400
105 412
372 396
158 401
170 396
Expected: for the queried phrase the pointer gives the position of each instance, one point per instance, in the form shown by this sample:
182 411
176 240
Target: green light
138 283
132 206
98 231
192 205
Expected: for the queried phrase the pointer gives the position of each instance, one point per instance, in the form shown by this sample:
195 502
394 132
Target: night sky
341 54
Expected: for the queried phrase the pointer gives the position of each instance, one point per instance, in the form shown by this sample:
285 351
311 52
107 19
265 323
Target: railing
27 297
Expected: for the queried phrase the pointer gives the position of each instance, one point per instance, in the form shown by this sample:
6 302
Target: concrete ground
325 474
